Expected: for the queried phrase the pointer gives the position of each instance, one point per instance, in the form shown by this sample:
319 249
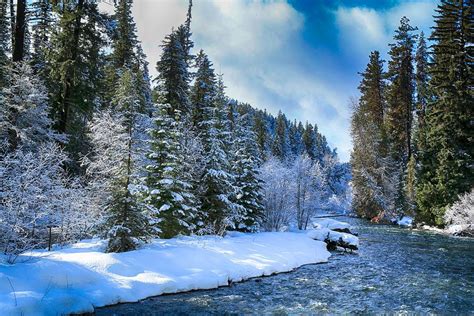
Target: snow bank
323 234
82 276
405 221
330 224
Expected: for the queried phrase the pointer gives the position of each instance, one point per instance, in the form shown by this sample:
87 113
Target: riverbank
80 277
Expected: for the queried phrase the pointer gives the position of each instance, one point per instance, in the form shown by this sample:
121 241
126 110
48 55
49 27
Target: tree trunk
20 25
12 22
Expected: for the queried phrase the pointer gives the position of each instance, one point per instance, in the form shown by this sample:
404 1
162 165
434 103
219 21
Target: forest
412 126
92 146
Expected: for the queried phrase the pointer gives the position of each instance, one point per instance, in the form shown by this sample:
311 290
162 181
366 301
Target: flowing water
395 271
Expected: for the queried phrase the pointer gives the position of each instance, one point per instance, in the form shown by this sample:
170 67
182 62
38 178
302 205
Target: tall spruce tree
173 75
169 195
42 17
216 182
126 222
247 182
400 104
446 168
281 144
73 71
368 158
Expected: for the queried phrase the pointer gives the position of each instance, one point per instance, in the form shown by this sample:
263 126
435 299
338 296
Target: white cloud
364 29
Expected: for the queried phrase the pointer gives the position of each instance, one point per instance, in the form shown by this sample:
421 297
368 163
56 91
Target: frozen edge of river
81 277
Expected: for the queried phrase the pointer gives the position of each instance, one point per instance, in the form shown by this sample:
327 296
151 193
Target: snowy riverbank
78 278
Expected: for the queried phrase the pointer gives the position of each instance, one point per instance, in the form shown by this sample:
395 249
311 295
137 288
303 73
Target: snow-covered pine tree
112 167
245 167
169 196
216 182
173 76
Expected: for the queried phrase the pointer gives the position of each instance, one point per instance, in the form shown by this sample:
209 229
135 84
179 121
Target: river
395 271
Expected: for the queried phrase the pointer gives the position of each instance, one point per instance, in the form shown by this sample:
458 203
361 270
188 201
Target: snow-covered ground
80 277
330 224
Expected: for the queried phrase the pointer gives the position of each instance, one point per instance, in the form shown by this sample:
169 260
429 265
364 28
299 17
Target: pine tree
368 159
446 160
216 181
169 195
309 141
247 179
73 71
42 16
125 40
126 222
203 91
261 133
173 76
280 145
400 102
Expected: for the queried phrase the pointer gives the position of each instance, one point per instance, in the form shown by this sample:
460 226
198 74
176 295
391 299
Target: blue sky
298 56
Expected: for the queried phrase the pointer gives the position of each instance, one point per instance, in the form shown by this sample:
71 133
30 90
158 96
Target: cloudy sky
298 56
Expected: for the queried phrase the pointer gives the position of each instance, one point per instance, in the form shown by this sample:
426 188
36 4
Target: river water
395 271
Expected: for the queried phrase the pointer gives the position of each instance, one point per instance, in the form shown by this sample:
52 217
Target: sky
302 57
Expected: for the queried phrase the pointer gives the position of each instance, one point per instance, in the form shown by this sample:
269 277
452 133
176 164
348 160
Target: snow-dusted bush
24 110
459 218
36 194
278 190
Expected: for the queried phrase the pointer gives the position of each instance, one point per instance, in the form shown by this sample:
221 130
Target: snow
323 233
330 224
78 278
405 221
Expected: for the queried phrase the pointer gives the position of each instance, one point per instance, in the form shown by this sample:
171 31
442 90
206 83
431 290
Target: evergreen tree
126 222
309 141
261 134
125 40
400 103
295 140
203 91
247 182
42 16
173 76
280 145
169 195
73 60
216 182
368 159
446 160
